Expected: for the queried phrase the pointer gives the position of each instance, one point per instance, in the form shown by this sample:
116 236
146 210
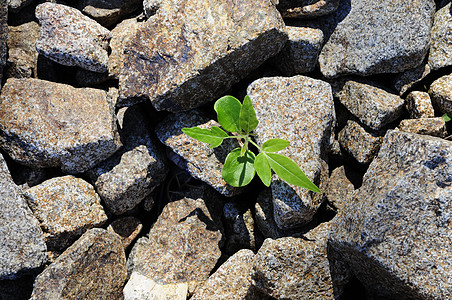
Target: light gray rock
151 6
142 287
379 37
395 234
128 228
22 245
429 126
301 51
3 36
405 81
198 158
441 94
94 267
108 13
66 207
192 52
131 174
72 39
301 110
441 48
373 106
306 8
340 190
419 105
42 128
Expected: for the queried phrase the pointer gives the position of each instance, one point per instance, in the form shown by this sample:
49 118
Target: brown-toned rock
108 13
3 36
429 126
46 124
441 94
405 81
419 105
340 189
128 228
306 9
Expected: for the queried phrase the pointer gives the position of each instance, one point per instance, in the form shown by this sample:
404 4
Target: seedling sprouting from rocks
241 163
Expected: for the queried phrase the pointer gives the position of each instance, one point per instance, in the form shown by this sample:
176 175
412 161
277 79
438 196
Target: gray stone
340 190
151 6
232 280
359 143
130 175
3 36
192 52
395 235
441 47
72 39
110 12
405 81
429 126
306 8
94 267
22 245
46 124
66 207
198 158
142 287
15 6
301 110
441 94
301 51
379 37
295 268
128 228
419 105
373 106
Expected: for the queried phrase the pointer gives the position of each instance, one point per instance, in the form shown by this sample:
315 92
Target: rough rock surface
395 234
129 175
199 159
3 36
441 47
306 8
72 39
46 124
142 287
94 267
191 52
340 189
108 13
66 207
373 106
301 110
15 6
22 246
441 94
379 36
419 105
405 81
429 126
128 228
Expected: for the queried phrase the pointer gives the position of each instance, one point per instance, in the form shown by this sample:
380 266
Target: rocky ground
103 197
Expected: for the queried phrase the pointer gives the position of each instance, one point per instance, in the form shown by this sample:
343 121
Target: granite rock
3 36
40 127
151 6
15 6
405 81
379 37
22 245
128 228
373 106
198 158
395 234
301 51
429 126
441 94
66 207
301 110
340 190
192 52
94 267
107 13
129 175
441 47
142 287
306 8
419 105
72 39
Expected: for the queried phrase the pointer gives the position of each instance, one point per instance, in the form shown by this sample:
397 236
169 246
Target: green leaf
228 113
239 170
213 136
274 145
446 117
289 171
263 168
248 120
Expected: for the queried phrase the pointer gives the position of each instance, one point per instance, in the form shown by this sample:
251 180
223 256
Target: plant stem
257 146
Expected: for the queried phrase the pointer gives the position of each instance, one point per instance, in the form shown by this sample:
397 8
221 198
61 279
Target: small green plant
241 163
446 117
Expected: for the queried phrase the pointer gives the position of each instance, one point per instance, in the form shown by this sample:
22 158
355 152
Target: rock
108 13
306 8
142 287
22 246
405 81
72 39
295 268
340 190
89 78
198 158
301 51
66 207
94 267
180 59
395 234
441 94
359 143
373 106
3 36
419 105
379 37
429 126
41 128
441 47
151 6
308 127
184 244
22 55
128 228
127 177
232 280
15 6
